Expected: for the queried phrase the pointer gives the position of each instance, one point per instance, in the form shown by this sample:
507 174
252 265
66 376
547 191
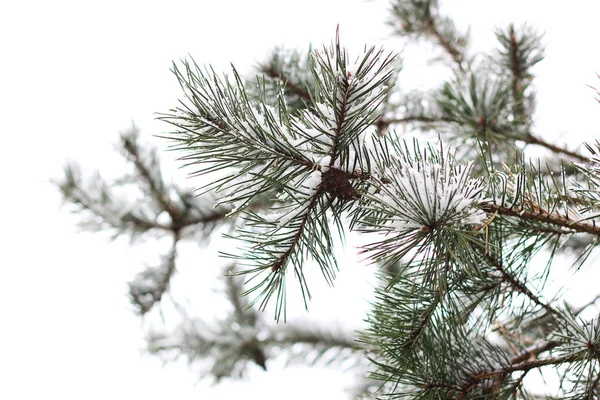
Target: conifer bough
308 151
311 166
457 317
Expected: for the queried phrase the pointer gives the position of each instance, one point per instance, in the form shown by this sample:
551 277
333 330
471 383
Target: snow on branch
422 194
431 194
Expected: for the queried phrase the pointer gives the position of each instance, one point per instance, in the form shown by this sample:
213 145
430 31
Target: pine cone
336 183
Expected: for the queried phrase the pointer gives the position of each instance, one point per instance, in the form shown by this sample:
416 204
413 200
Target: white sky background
73 74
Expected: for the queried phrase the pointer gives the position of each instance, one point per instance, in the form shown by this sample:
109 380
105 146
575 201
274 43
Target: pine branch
233 291
306 161
292 161
313 338
417 329
254 137
520 51
225 352
418 17
445 120
423 200
531 139
234 343
526 366
545 217
518 285
533 351
149 286
286 248
517 74
149 173
109 208
290 85
446 43
289 70
588 304
97 199
301 230
417 118
207 219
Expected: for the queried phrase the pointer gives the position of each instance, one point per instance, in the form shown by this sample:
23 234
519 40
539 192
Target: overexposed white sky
75 73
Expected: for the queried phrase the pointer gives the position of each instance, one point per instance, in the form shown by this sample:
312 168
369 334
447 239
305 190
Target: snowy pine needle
423 199
428 192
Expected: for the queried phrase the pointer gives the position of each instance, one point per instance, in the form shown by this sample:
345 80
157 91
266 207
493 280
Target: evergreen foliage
467 229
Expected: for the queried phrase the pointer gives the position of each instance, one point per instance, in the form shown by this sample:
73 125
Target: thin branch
159 195
299 91
383 123
518 285
441 385
533 351
531 139
589 304
311 339
415 118
218 215
296 239
418 328
527 365
150 286
234 294
544 216
516 67
445 43
74 193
